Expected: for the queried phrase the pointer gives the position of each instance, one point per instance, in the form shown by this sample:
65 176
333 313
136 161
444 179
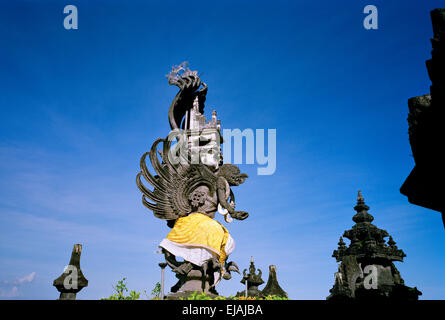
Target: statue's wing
173 183
168 200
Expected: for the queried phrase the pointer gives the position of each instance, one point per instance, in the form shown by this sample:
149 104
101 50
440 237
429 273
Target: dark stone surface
253 281
272 286
191 277
82 282
368 249
426 118
194 280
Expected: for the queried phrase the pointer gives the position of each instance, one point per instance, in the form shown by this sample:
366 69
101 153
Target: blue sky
79 108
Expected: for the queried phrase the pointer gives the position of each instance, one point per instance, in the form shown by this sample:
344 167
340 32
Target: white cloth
193 254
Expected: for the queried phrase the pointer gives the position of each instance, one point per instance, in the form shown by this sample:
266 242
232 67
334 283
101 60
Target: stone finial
341 243
360 198
392 243
72 280
362 210
272 285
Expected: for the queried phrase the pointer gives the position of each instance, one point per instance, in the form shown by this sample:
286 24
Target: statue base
194 281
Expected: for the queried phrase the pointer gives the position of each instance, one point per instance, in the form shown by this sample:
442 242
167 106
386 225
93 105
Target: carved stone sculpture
191 183
252 281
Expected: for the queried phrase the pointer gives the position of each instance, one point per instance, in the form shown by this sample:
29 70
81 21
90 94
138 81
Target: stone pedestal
194 281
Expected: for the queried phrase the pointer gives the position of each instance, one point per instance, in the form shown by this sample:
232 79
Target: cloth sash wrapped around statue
197 238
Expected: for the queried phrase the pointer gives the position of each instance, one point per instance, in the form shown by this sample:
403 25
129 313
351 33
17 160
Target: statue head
232 174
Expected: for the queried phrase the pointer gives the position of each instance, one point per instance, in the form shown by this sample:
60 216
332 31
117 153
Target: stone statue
190 185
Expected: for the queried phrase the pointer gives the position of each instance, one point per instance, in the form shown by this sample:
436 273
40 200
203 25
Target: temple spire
368 249
362 214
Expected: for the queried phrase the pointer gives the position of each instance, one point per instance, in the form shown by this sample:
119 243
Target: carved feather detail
172 184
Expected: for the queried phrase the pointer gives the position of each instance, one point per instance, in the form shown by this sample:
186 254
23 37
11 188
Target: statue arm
221 191
232 199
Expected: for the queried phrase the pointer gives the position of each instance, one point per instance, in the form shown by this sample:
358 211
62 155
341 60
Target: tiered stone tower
367 270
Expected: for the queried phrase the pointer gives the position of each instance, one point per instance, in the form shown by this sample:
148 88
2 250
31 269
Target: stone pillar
162 265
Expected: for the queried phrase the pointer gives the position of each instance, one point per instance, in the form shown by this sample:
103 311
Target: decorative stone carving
251 280
367 270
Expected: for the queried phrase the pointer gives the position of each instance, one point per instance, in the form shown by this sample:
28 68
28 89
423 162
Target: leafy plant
203 296
272 297
156 292
198 296
120 288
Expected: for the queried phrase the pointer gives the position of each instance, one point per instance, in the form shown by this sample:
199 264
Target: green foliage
197 296
272 297
156 292
203 296
120 288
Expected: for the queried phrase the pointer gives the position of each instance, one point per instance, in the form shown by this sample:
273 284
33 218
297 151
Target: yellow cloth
201 231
